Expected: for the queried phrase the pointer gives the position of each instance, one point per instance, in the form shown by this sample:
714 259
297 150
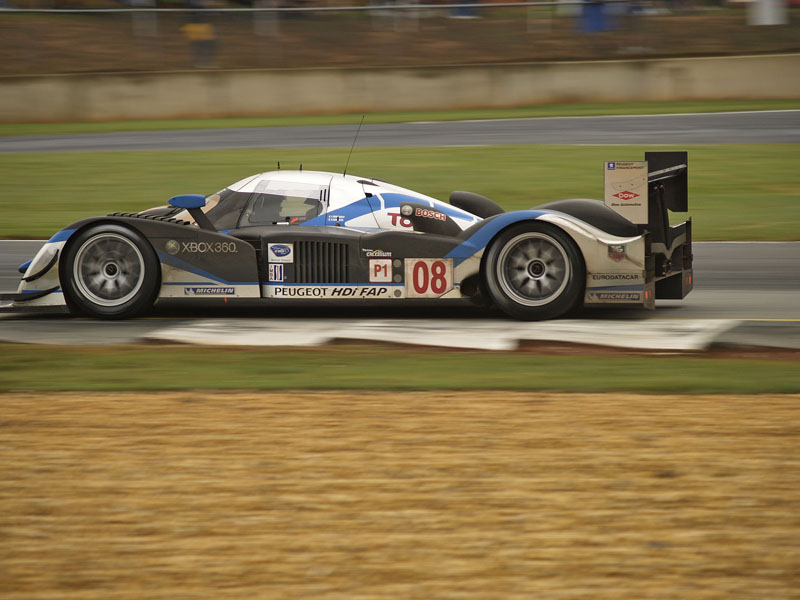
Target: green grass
385 368
553 110
737 192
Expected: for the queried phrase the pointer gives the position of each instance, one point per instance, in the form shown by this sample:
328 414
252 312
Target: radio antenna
353 146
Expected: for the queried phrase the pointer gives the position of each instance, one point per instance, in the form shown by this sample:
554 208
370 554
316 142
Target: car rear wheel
534 271
109 272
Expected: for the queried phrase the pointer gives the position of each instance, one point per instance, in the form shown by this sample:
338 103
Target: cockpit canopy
270 203
317 198
283 202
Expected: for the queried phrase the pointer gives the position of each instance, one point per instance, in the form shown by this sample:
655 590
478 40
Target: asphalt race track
780 126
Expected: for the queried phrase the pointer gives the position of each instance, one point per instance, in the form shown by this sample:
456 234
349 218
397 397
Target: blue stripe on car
357 284
356 209
362 207
393 200
488 229
61 236
617 288
172 261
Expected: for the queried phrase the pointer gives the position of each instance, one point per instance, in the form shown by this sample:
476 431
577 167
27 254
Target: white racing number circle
533 269
108 269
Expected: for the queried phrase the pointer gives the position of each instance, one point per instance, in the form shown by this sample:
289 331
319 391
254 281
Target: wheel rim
533 269
108 269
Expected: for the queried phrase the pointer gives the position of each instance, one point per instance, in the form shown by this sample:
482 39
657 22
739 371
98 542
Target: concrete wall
103 97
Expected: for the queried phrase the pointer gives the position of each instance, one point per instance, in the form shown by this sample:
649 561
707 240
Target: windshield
225 215
283 202
272 202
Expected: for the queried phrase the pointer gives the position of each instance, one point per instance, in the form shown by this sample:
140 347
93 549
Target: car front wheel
109 272
534 271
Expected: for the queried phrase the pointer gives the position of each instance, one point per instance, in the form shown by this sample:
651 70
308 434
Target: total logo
626 195
398 219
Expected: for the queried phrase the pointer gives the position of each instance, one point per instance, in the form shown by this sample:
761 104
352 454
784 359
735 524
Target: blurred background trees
158 35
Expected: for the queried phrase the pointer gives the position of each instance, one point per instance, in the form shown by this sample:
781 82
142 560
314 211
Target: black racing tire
534 271
110 272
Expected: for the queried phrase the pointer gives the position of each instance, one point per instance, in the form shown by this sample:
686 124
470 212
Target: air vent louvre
321 262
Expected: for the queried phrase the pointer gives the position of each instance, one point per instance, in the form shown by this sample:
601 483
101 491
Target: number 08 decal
428 277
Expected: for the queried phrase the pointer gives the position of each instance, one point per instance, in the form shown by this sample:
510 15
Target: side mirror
193 203
188 201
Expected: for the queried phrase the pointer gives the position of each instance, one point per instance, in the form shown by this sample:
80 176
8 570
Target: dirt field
418 495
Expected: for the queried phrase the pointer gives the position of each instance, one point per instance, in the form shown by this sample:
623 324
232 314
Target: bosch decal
280 253
430 214
209 291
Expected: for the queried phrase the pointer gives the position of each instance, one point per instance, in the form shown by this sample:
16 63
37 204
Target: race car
310 235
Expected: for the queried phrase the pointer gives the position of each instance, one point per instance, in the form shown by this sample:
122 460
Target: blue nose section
24 266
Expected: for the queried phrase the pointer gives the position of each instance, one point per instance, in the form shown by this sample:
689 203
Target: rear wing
667 179
645 192
634 188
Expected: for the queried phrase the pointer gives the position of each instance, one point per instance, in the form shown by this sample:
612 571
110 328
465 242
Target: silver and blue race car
306 235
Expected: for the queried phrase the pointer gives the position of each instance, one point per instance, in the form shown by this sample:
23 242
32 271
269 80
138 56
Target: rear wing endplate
635 188
667 176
